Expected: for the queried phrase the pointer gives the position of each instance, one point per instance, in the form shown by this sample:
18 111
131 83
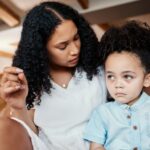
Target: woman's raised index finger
14 70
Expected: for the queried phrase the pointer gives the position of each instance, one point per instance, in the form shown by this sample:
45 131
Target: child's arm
95 146
95 131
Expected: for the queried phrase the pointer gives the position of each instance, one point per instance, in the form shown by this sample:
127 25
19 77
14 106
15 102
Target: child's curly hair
132 37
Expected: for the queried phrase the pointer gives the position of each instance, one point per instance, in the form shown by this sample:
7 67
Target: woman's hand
14 87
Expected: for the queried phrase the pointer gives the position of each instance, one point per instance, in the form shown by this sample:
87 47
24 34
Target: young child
125 123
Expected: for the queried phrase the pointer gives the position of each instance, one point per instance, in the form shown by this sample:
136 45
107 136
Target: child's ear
147 80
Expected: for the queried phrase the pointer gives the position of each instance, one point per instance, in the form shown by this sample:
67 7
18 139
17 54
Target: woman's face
64 45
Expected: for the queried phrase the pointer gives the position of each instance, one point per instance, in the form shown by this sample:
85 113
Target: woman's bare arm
13 136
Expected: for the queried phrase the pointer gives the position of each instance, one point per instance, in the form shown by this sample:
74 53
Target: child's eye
110 77
128 77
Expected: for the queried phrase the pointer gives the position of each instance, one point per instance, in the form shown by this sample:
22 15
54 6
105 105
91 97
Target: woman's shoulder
13 136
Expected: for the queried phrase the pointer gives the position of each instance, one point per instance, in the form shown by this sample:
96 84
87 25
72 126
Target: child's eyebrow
108 72
124 72
128 72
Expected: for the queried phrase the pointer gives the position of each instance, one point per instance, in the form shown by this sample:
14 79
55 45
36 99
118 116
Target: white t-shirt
63 114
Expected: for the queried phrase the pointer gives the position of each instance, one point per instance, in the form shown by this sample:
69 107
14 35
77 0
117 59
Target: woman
58 54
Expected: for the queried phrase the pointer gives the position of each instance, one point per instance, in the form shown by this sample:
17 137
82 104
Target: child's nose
119 84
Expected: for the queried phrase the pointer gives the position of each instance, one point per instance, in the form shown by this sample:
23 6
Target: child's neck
134 100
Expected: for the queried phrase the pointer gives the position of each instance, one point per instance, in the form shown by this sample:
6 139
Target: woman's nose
74 49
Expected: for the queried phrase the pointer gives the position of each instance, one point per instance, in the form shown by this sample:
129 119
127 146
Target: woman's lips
75 60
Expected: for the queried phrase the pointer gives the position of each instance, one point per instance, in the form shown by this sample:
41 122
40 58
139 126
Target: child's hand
14 87
95 146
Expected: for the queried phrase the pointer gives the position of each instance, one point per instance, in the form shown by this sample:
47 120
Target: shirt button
135 127
135 148
128 116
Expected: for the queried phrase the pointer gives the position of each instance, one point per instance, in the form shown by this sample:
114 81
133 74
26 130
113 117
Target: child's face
125 77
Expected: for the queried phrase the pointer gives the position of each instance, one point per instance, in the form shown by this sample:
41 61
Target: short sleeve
95 130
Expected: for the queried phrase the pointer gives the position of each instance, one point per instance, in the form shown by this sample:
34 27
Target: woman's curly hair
32 55
132 37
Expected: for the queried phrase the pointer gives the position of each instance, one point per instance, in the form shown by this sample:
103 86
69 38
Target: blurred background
101 14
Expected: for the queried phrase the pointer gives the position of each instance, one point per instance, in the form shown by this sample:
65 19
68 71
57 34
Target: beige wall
4 62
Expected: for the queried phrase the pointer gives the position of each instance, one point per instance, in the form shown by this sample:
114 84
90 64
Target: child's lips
120 94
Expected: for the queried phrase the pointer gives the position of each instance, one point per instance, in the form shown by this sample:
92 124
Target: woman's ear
147 81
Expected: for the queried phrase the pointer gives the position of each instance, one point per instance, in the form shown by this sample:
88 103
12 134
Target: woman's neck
62 76
61 70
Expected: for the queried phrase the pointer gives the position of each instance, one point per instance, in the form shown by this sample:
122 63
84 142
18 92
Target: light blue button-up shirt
121 127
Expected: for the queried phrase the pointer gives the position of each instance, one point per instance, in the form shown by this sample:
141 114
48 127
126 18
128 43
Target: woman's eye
128 77
110 77
62 47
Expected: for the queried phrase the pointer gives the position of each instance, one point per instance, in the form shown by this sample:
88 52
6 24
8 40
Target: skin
147 90
13 81
64 50
16 133
95 146
124 72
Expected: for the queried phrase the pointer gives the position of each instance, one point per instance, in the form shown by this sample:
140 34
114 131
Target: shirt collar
143 98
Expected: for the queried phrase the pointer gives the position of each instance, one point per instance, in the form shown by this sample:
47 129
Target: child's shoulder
104 111
105 107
